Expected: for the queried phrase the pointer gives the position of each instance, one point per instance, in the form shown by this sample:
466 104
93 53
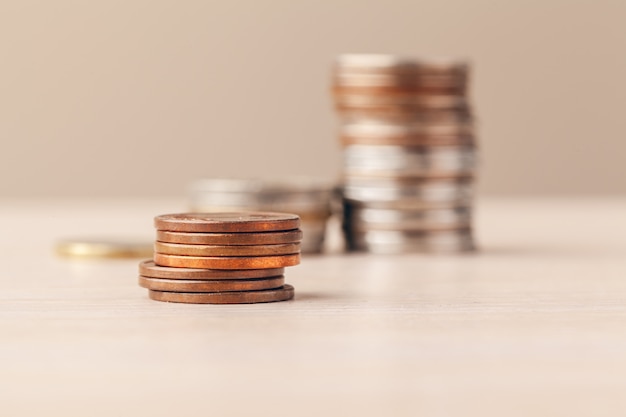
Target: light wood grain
533 324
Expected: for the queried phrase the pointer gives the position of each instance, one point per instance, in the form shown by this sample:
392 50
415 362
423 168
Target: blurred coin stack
308 198
409 153
222 258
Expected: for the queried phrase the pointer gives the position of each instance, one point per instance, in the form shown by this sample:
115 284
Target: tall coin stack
308 198
409 153
222 258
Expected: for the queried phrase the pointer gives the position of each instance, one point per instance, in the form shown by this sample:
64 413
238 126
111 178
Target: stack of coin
309 198
222 258
409 153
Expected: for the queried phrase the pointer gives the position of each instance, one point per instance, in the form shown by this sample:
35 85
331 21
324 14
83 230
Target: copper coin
175 285
151 270
230 262
415 140
227 222
238 297
264 238
227 250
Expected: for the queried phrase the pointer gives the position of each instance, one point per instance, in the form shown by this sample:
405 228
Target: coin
387 131
442 65
409 155
373 62
372 218
263 238
227 222
103 248
211 250
177 285
418 193
286 292
392 241
408 161
252 262
297 192
150 269
309 198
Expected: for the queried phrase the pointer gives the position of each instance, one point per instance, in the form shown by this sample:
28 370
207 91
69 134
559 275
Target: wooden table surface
533 324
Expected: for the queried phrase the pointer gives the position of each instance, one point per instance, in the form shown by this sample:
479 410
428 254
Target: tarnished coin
264 238
103 248
150 269
242 262
227 222
284 293
177 285
226 250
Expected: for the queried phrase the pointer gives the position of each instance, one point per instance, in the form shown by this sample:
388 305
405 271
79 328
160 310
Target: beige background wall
117 98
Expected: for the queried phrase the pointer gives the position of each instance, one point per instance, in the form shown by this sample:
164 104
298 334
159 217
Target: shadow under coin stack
222 258
307 197
409 153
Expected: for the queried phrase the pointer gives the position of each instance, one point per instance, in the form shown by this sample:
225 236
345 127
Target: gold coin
103 248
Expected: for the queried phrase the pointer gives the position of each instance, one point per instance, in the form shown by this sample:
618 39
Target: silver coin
412 161
370 218
208 205
412 133
309 198
371 70
373 62
423 65
408 193
298 194
314 235
389 242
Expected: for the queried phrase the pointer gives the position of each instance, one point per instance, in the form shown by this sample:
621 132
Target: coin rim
284 293
227 262
180 249
148 268
235 239
285 221
101 249
204 286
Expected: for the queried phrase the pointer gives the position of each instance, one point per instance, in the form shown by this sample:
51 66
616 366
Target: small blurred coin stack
309 198
409 153
222 258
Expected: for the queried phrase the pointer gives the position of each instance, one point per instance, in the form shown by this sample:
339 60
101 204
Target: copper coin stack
409 153
222 258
